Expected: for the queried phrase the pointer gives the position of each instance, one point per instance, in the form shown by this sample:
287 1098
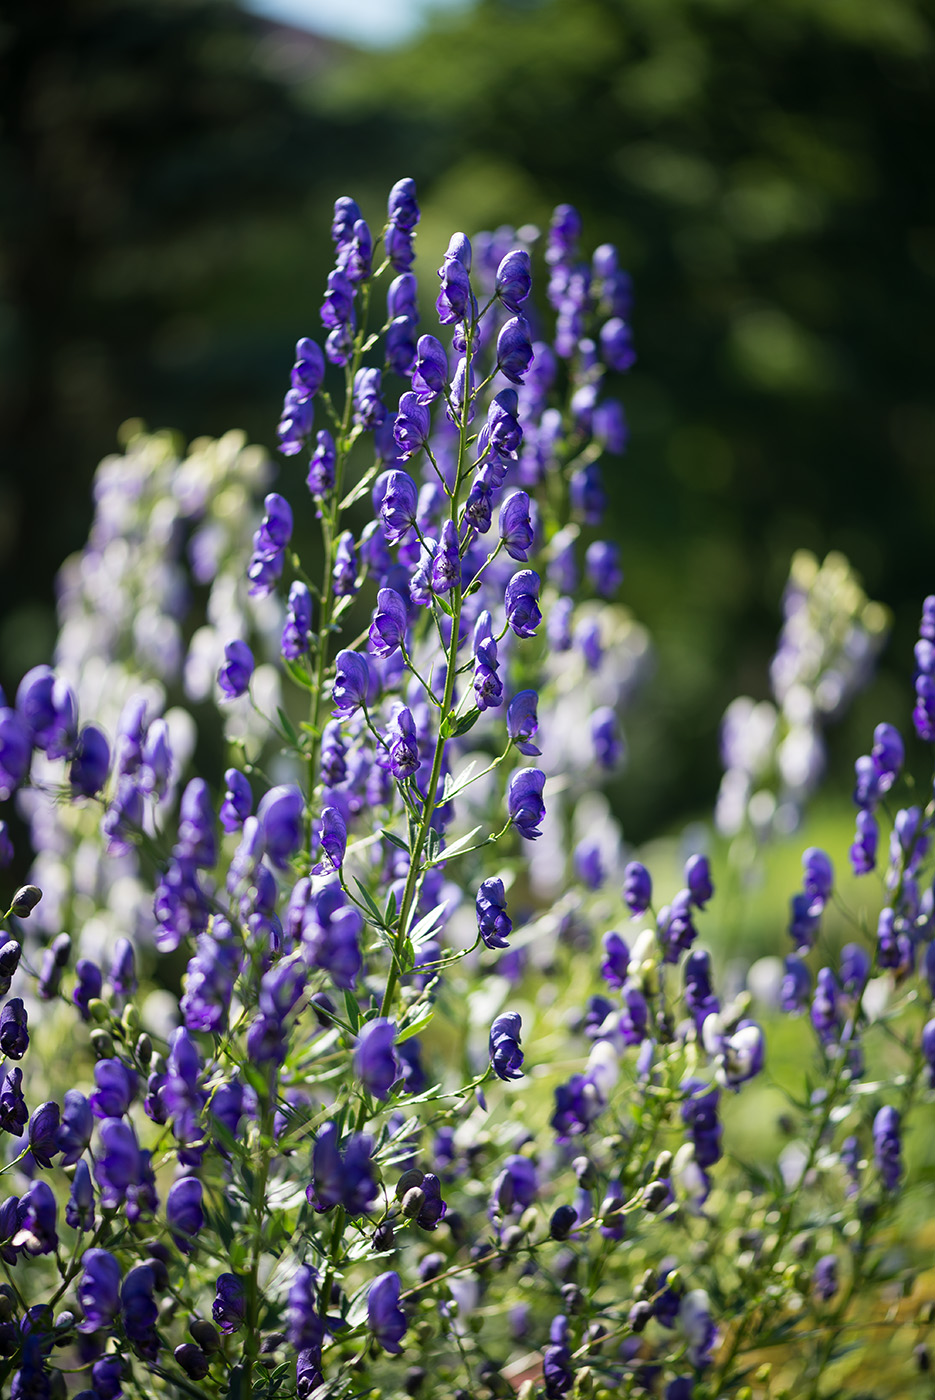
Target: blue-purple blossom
333 836
412 425
825 1277
90 765
15 751
14 1032
305 1328
280 816
79 1208
296 632
375 1062
230 1303
455 299
887 1147
185 1216
616 962
514 279
37 1212
98 1290
617 344
320 478
236 670
351 682
637 887
74 1132
48 708
402 743
521 600
89 985
605 737
514 349
516 530
369 408
295 421
398 507
587 495
430 372
524 801
602 564
488 687
446 560
506 1057
385 1317
117 1162
493 922
342 1177
522 721
388 627
138 1310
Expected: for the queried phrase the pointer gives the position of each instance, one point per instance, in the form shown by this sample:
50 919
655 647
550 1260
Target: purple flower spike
493 922
516 529
521 600
888 755
616 959
863 852
505 1053
524 801
385 1317
522 721
351 683
375 1061
602 563
43 1133
37 1213
514 349
430 374
514 279
234 675
818 874
402 207
305 1328
280 816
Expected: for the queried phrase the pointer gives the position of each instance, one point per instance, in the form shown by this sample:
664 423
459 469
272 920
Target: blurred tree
766 173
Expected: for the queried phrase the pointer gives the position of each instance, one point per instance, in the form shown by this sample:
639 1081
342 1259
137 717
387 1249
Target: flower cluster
311 1000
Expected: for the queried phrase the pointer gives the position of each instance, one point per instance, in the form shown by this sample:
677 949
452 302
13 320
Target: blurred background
167 170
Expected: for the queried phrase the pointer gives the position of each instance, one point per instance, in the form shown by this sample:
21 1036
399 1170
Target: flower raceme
214 1201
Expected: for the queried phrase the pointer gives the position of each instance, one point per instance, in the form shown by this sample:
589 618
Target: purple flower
617 344
400 345
796 984
14 1114
398 506
455 299
488 687
351 683
308 371
333 836
430 373
602 563
304 1327
616 959
344 574
139 1311
402 743
863 853
825 1277
230 1305
699 1114
79 1209
514 279
122 974
385 1317
280 815
521 600
375 1062
500 438
818 874
887 1147
197 843
805 919
402 207
342 1178
446 561
355 254
514 349
369 408
390 620
98 1290
238 800
14 1033
698 880
184 1214
48 708
37 1212
522 721
90 765
402 298
296 633
637 888
90 984
587 495
506 1057
234 675
887 755
609 426
295 420
320 478
516 529
15 752
412 425
524 801
493 922
116 1088
74 1133
117 1163
330 936
605 737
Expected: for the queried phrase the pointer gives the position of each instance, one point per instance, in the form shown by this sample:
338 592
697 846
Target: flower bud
25 901
102 1043
562 1221
205 1334
192 1360
412 1202
409 1179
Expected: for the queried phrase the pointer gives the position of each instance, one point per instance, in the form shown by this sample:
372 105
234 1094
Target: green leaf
457 847
299 675
288 727
368 900
394 840
389 916
353 1011
465 723
416 1027
359 490
455 785
427 924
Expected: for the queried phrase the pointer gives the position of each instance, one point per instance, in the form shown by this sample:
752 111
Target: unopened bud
663 1165
98 1010
144 1049
408 1180
192 1360
25 901
102 1043
205 1334
413 1201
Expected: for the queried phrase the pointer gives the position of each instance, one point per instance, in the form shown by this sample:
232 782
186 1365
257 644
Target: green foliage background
168 168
